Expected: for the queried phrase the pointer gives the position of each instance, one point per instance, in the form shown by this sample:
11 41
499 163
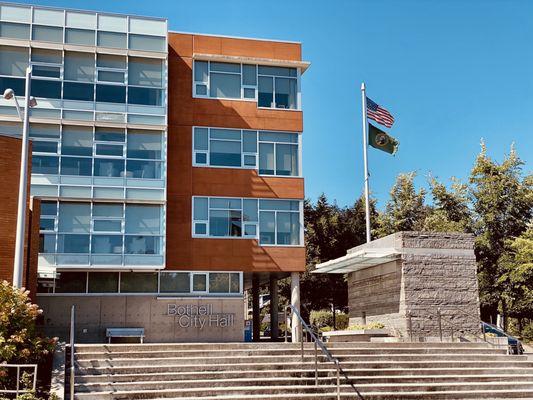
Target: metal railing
18 390
319 344
454 327
72 366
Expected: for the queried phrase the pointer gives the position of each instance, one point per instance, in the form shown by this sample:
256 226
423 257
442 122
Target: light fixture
32 102
8 94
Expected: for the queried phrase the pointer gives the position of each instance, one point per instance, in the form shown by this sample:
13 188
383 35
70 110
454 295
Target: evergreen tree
405 211
450 212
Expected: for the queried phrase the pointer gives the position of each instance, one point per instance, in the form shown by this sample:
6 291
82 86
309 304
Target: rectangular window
138 282
272 87
112 39
77 141
278 152
82 37
14 61
71 282
79 66
45 165
174 282
145 72
14 31
47 33
78 91
46 89
103 282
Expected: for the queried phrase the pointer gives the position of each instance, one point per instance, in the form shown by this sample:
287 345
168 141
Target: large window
274 222
101 152
272 87
164 283
81 76
112 229
278 152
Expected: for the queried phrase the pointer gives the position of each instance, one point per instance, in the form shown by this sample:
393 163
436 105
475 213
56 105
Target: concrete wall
434 271
189 320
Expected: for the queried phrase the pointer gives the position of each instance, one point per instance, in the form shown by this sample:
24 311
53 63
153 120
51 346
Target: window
182 282
112 39
79 66
14 61
279 222
278 87
148 43
45 88
144 151
275 222
101 229
82 37
45 165
14 31
47 33
278 152
174 282
46 63
272 87
78 91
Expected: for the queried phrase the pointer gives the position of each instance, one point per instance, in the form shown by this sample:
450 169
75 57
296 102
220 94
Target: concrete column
274 308
256 327
296 326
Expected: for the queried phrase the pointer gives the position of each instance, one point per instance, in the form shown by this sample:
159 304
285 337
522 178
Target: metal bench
125 332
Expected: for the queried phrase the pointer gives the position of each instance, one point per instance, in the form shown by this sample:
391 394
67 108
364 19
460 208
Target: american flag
378 113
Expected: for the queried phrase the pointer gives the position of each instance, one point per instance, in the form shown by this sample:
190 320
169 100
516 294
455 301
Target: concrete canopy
360 259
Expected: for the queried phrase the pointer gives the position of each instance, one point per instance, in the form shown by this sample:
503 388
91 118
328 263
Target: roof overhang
303 65
358 260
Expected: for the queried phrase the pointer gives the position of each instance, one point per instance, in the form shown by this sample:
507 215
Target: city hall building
168 167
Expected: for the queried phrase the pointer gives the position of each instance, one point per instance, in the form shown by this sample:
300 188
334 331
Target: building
169 167
9 176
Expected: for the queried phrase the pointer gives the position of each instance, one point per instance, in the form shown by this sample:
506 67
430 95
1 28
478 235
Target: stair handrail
325 350
72 369
439 316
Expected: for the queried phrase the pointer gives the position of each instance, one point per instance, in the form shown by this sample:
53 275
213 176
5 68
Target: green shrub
324 318
527 333
372 325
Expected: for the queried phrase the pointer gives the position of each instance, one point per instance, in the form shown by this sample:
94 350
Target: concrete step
254 375
302 389
101 368
81 348
291 351
441 395
117 362
163 384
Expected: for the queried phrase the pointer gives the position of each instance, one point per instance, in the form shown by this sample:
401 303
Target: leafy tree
405 211
517 277
450 212
503 202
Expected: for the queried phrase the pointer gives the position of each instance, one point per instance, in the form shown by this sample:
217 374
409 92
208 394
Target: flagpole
365 159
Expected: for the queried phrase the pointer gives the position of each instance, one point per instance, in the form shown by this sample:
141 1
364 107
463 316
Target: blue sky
450 71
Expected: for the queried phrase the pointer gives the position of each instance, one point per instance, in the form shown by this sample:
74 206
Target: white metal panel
77 19
47 16
148 26
113 23
15 13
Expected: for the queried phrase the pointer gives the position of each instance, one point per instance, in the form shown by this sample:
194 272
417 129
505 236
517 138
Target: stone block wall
435 272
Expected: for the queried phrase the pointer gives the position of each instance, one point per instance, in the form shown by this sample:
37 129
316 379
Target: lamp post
21 211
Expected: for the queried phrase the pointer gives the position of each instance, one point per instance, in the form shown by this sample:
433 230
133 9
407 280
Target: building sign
194 316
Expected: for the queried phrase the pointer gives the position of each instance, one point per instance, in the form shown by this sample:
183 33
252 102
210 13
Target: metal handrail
327 353
438 314
72 369
17 389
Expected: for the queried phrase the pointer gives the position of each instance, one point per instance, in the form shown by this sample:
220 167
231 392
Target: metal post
72 311
440 323
410 325
316 363
296 324
23 179
338 380
286 323
365 159
302 344
18 381
484 333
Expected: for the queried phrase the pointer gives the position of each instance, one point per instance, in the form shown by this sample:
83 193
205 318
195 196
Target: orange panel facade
185 181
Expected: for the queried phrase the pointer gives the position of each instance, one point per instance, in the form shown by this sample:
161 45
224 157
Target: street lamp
21 211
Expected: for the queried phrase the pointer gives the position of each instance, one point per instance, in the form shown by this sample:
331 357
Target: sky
450 71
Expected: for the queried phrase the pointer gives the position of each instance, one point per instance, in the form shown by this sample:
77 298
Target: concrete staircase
275 371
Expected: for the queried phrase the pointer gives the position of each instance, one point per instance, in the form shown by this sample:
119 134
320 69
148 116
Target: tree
502 202
405 211
450 211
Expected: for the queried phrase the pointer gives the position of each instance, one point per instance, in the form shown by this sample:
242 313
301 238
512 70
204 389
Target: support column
274 308
296 326
256 312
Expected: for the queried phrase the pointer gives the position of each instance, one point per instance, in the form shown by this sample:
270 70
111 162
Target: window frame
207 84
244 223
256 154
